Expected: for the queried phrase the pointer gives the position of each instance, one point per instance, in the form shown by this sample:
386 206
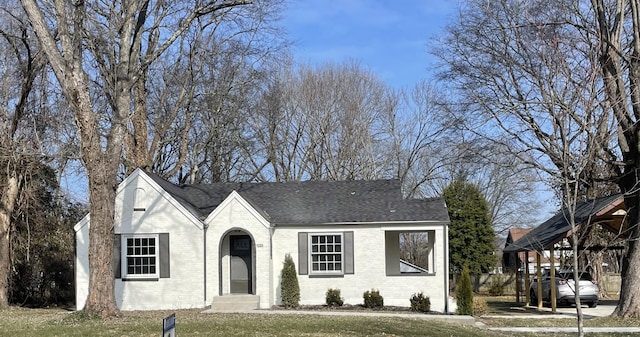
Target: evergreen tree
289 288
464 293
471 236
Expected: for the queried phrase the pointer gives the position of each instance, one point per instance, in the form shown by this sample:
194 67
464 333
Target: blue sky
389 37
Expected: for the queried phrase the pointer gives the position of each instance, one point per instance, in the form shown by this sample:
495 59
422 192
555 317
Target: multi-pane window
326 253
141 256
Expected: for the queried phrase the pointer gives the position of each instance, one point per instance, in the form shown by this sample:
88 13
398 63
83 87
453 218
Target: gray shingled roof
313 202
556 227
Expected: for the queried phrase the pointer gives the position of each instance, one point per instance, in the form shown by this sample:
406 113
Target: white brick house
183 246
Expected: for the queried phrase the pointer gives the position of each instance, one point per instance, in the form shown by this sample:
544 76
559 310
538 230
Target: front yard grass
19 322
22 322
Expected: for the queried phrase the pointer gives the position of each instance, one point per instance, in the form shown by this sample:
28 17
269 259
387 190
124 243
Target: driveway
604 308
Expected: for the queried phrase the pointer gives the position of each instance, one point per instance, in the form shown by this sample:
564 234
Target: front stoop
237 302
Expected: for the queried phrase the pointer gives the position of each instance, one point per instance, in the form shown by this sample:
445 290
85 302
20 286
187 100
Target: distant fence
611 283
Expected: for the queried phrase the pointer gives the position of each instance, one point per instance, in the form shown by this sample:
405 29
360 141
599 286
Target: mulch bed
349 307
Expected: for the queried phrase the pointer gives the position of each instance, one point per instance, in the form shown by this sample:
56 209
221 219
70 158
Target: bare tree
193 129
415 150
322 124
75 36
617 49
20 127
525 82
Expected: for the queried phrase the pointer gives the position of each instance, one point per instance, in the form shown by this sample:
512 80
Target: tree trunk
7 204
101 298
629 303
102 170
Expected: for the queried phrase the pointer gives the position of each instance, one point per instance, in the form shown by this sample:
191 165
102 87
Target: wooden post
552 271
539 284
527 278
518 285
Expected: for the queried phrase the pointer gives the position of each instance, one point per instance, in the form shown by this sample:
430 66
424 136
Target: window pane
338 240
314 239
141 256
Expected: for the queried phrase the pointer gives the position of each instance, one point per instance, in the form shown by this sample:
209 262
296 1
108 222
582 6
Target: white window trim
311 253
124 260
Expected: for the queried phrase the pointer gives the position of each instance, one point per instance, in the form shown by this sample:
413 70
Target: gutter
204 228
445 240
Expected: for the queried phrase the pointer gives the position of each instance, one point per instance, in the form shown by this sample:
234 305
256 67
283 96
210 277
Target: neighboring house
184 246
609 212
518 261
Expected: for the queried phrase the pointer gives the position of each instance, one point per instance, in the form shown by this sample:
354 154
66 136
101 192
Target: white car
565 288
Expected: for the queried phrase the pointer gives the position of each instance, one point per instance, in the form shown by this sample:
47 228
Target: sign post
169 326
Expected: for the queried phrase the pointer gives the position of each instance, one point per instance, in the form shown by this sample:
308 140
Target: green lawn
52 322
20 322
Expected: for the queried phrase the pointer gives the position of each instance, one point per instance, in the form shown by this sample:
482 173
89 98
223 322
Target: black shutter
116 261
165 270
303 254
348 253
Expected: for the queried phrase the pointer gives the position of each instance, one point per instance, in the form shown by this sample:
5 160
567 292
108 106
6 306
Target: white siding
185 288
370 268
142 207
82 262
235 216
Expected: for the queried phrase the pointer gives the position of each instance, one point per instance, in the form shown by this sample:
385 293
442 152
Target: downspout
205 227
272 297
446 269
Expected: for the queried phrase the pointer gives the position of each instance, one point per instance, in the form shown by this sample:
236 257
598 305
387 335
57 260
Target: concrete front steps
235 302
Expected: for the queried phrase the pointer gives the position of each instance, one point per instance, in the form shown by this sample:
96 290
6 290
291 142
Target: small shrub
333 298
480 306
289 287
464 294
373 299
497 286
420 303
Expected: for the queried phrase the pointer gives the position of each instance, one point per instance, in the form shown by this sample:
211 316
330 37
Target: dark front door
240 251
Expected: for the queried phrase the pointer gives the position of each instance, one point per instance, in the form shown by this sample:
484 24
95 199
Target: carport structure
609 212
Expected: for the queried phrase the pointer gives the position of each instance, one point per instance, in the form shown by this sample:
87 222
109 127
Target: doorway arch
236 262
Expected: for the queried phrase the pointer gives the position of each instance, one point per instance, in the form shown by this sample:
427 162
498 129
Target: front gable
139 197
226 208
